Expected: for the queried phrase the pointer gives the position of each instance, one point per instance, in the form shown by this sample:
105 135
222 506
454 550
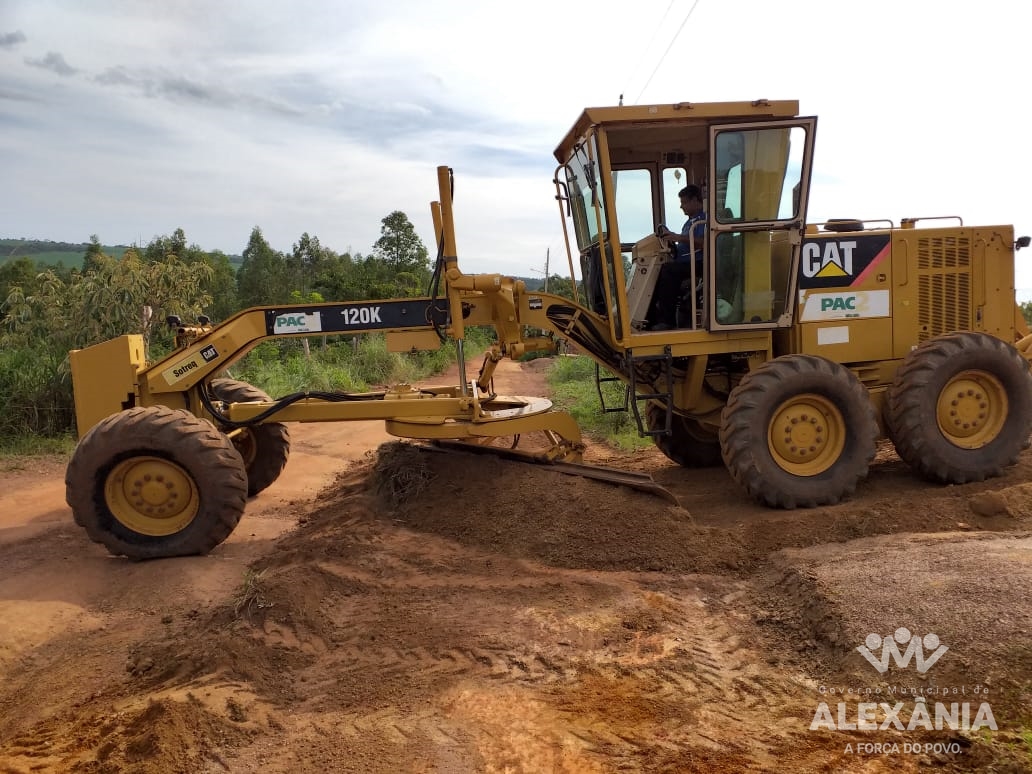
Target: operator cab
620 171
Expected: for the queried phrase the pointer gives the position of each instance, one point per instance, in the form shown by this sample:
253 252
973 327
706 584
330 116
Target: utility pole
548 252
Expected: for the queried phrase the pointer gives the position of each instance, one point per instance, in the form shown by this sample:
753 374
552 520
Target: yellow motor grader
791 348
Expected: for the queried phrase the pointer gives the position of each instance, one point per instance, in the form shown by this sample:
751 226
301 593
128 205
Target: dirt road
505 618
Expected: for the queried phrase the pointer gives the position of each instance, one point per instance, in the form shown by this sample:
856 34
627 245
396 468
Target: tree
399 264
560 286
341 278
20 273
162 247
262 277
220 285
103 303
94 258
307 261
1026 311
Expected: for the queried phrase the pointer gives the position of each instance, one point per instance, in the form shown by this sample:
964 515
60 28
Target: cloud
324 117
158 84
12 39
117 76
54 62
16 96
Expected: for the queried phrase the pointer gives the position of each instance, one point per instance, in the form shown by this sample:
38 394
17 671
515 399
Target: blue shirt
695 225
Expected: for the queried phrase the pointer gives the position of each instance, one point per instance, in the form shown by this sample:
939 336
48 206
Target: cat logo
828 259
838 262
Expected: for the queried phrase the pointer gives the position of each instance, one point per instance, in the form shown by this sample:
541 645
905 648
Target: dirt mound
530 512
164 736
958 588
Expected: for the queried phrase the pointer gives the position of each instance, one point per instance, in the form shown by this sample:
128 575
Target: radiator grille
951 252
944 285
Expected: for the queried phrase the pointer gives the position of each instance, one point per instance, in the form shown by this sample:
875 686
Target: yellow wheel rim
972 409
151 496
806 435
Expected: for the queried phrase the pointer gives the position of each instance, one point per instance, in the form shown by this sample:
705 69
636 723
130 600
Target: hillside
49 252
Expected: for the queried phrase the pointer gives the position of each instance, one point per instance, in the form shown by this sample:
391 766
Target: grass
572 380
37 415
251 596
401 472
280 367
14 446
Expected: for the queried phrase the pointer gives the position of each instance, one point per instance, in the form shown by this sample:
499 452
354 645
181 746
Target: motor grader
794 347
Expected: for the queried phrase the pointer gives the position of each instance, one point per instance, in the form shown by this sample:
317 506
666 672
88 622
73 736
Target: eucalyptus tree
399 264
263 276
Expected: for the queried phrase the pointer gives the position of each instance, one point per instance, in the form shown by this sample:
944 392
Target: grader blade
643 482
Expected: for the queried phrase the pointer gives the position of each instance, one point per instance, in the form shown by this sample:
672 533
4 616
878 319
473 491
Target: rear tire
690 443
960 407
799 431
265 448
154 482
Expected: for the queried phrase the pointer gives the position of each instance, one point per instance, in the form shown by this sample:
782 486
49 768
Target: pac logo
841 303
297 323
828 258
858 304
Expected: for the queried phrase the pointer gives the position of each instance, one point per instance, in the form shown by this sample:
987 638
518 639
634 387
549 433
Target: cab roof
687 112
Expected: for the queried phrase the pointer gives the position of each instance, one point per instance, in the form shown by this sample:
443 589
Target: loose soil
382 608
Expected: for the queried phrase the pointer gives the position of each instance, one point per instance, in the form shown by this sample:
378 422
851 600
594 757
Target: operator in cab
673 274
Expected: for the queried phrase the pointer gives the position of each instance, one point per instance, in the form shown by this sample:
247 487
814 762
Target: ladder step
599 381
666 398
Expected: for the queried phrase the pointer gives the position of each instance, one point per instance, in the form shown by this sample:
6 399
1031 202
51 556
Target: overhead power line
648 47
673 40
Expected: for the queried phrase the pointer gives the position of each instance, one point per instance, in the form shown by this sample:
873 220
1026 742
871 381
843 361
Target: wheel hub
151 495
971 409
245 443
806 435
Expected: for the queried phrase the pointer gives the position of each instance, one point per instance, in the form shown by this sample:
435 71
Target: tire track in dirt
624 669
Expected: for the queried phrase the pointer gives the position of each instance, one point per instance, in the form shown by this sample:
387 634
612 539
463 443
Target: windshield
632 189
582 181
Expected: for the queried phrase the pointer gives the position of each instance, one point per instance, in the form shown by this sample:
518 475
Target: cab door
759 181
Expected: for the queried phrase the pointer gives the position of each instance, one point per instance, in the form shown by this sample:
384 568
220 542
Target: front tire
960 407
799 431
265 448
154 482
690 444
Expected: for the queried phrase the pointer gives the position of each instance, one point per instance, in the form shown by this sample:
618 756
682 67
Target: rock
989 504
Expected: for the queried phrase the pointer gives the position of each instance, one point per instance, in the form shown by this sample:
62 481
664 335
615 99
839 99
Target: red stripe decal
872 265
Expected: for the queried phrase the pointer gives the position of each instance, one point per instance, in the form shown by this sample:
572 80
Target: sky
130 119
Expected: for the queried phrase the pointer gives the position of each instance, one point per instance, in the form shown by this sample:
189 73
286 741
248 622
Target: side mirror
1022 241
